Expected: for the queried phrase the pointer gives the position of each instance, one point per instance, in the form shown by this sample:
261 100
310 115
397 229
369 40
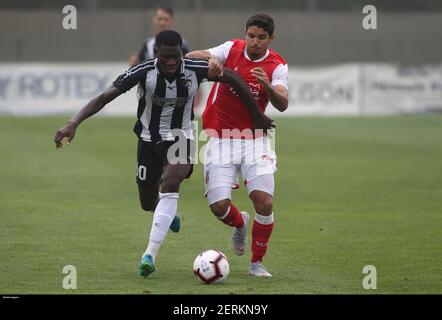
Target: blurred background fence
334 62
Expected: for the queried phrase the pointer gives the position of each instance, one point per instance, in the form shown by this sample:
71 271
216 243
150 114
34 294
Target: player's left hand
261 76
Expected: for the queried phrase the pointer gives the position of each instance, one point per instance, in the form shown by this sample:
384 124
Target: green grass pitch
350 192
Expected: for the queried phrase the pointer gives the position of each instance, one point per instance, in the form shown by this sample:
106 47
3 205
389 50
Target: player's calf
225 211
262 229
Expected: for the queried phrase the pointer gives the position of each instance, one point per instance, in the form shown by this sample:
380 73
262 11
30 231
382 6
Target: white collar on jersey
182 66
260 59
157 68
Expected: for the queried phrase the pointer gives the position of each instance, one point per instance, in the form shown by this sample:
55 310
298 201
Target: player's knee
171 184
220 208
264 205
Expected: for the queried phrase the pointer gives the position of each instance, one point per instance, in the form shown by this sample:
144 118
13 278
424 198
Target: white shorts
225 158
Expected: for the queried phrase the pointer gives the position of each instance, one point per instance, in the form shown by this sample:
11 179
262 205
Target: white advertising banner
394 89
330 90
41 89
347 89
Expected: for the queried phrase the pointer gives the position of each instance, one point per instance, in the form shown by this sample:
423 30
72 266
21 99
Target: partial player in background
166 141
162 20
265 72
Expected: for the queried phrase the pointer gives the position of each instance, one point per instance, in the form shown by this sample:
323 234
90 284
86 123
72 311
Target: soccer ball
211 267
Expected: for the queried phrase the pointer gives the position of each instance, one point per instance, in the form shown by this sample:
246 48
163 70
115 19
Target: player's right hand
68 131
263 122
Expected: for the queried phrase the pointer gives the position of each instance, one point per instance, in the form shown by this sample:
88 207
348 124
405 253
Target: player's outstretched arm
91 108
215 64
260 120
198 54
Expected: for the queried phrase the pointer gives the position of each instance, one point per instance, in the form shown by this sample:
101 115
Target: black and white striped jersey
164 104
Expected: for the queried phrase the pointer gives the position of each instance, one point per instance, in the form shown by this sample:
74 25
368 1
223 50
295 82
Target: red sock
233 218
260 238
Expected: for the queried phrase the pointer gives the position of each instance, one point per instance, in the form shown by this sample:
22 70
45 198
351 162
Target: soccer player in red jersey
233 145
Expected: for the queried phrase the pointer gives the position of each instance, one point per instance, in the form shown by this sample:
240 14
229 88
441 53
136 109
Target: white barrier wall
333 90
390 89
348 89
41 89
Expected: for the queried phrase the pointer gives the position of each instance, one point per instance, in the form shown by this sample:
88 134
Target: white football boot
239 237
257 269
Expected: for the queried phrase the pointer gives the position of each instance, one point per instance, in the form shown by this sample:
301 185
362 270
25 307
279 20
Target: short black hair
263 21
169 10
168 38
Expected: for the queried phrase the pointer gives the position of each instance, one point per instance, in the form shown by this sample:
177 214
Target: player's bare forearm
91 108
260 120
199 54
95 105
215 65
243 90
278 96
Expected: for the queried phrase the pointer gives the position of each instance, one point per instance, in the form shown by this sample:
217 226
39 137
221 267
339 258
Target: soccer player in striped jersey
167 87
265 72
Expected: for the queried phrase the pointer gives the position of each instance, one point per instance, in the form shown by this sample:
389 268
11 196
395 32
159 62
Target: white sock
264 219
152 249
163 216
